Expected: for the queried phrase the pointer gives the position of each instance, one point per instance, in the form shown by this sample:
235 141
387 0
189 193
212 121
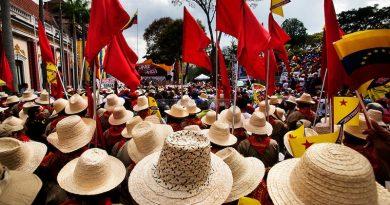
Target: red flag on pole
108 18
117 65
5 69
195 41
229 16
130 55
56 89
336 76
225 82
278 38
47 54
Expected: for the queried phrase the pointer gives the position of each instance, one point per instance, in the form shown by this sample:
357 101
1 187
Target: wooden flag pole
216 74
62 85
331 120
235 93
319 102
368 121
94 102
266 86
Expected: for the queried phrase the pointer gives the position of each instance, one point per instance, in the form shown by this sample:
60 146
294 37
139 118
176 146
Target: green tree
296 30
370 17
315 40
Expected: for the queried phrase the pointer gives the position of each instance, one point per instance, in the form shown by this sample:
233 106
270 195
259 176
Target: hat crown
191 107
306 97
77 101
144 136
119 112
236 115
27 93
92 168
258 119
184 163
70 127
263 106
219 130
13 121
13 152
343 173
44 96
142 100
59 104
178 110
132 123
112 100
12 99
235 161
376 115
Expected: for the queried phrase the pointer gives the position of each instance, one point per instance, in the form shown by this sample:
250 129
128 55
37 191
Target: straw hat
305 98
273 100
28 95
44 98
153 119
76 104
262 108
147 139
184 100
247 172
184 172
21 156
18 187
2 109
59 105
13 121
203 96
326 174
126 133
357 131
142 103
3 95
177 111
377 116
7 130
280 114
308 133
12 99
192 127
100 112
120 116
219 134
304 122
257 124
192 108
72 133
209 118
112 101
227 116
292 100
94 172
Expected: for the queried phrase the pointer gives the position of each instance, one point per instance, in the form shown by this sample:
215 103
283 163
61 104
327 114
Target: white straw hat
219 134
94 172
120 116
142 103
23 115
21 156
44 98
3 95
147 139
227 116
126 133
280 114
209 118
76 104
262 108
357 131
184 100
59 105
184 172
292 100
326 174
305 98
13 121
112 101
247 172
28 95
18 187
193 128
273 100
72 133
377 116
192 108
12 99
257 124
153 118
177 111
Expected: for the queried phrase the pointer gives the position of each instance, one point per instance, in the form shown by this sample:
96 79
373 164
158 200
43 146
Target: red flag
117 65
46 53
195 41
278 38
88 92
56 88
336 76
225 82
5 69
229 16
130 55
108 18
262 66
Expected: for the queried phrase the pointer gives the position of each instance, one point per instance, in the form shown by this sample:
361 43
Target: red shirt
113 136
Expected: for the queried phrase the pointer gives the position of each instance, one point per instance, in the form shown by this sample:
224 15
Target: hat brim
145 190
38 152
249 179
205 121
84 140
127 117
175 114
229 141
46 102
271 110
305 101
126 134
22 188
70 111
33 97
355 131
238 124
139 108
111 108
67 182
197 110
161 131
266 130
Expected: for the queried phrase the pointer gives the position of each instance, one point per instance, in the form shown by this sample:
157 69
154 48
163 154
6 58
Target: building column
33 64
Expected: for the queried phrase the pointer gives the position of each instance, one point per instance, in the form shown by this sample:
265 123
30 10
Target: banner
346 110
276 6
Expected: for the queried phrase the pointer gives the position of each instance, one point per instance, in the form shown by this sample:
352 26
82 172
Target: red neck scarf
259 146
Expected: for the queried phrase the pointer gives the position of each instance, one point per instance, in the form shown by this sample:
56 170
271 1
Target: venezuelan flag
365 55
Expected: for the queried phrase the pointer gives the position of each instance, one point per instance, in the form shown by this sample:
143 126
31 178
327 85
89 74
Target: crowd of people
190 149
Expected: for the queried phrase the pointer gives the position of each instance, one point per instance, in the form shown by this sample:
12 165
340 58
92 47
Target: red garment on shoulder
53 123
261 194
259 146
309 115
113 136
22 137
175 126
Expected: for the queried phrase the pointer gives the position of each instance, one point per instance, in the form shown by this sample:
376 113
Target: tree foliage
296 30
370 17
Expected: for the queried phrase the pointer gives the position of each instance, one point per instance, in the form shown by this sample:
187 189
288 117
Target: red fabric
99 131
56 88
54 123
117 64
130 55
195 41
259 146
278 38
22 137
261 65
337 77
261 194
46 52
5 69
113 136
107 19
229 16
105 201
88 92
225 82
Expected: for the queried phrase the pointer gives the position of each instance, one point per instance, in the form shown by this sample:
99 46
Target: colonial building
24 19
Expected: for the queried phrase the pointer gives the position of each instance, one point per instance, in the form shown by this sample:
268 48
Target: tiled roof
32 8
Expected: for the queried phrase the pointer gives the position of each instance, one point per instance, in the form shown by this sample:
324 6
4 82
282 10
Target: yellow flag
248 201
298 133
51 71
2 83
374 90
346 110
153 107
276 6
300 144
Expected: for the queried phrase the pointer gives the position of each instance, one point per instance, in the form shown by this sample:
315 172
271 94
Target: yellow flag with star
346 110
276 6
300 144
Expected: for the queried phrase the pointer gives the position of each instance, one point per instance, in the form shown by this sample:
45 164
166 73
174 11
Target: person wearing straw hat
77 105
227 116
184 172
219 136
326 174
304 104
14 127
112 101
142 107
92 178
28 96
192 118
274 100
3 99
12 104
18 187
44 99
289 105
184 100
209 119
57 115
175 116
112 136
259 143
36 122
248 173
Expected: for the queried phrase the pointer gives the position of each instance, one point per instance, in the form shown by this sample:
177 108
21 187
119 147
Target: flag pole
266 87
235 93
137 33
368 121
319 102
216 73
94 102
82 73
62 85
331 114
